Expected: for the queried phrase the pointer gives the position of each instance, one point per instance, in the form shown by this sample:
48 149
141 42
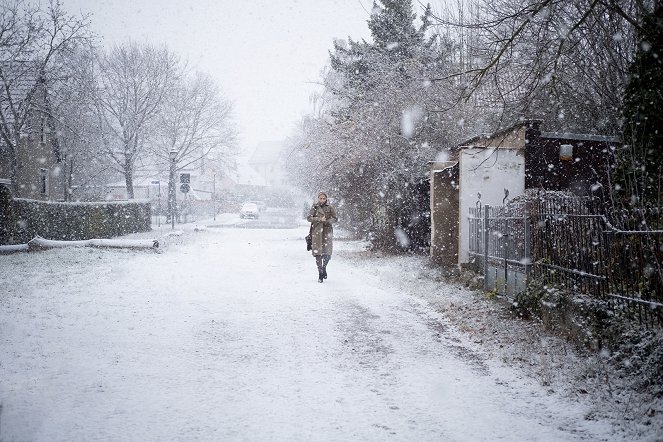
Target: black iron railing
573 244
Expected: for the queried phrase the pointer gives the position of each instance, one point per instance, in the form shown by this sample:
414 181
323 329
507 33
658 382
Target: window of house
43 129
43 180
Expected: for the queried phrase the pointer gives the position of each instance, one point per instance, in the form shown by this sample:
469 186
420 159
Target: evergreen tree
395 40
640 161
382 120
393 31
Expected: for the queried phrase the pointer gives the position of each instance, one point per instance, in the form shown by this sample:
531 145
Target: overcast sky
264 54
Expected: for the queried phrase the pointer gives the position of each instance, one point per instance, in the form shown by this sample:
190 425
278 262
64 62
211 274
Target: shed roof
534 123
581 137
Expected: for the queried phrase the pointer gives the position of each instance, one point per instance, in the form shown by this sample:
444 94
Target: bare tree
565 62
84 167
33 43
196 121
193 129
132 81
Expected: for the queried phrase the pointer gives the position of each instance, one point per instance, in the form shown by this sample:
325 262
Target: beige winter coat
322 233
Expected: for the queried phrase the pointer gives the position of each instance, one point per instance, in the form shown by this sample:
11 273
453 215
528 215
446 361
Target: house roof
20 78
266 152
247 175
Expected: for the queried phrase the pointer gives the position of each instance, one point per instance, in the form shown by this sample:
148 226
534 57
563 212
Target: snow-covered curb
39 243
16 248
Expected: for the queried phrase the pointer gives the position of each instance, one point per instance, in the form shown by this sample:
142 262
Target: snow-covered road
228 336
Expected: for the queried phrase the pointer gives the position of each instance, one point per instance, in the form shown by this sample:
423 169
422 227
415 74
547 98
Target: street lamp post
214 196
172 201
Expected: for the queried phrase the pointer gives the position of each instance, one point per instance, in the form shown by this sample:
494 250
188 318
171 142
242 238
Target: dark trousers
321 261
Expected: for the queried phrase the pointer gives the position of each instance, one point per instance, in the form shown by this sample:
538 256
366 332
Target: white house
267 160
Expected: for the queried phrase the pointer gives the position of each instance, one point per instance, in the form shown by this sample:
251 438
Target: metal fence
574 245
499 242
568 245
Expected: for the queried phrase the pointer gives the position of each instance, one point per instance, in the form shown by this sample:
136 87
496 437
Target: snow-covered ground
225 334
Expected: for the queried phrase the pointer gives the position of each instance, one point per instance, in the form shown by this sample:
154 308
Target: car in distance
261 205
249 210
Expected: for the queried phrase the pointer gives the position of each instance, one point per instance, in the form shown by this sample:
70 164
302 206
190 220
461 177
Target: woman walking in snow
321 216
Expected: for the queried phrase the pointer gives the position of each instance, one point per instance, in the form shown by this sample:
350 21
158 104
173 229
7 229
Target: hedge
23 219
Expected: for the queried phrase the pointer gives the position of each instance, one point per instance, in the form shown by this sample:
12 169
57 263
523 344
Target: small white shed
491 168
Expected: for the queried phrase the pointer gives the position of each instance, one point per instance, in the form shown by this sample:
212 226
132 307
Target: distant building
144 188
243 176
38 161
267 160
492 168
201 187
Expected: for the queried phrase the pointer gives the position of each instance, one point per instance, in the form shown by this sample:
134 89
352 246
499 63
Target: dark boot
320 276
325 260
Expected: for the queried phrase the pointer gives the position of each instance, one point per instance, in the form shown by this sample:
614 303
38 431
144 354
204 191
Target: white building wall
487 171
